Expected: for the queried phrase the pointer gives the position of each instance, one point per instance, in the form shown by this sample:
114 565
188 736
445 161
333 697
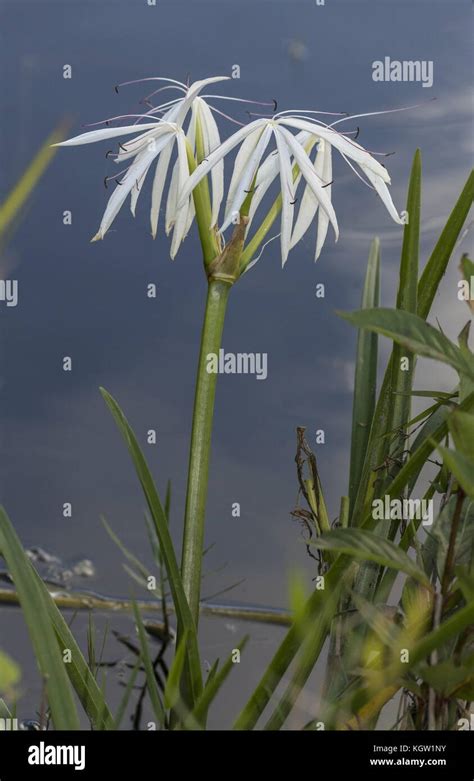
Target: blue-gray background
88 301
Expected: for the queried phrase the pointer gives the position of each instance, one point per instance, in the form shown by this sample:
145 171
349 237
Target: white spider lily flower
156 141
290 150
246 166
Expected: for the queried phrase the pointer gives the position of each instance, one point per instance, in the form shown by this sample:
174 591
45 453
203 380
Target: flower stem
217 296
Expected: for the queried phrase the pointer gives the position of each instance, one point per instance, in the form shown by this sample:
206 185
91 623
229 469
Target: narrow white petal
182 214
247 177
190 217
158 187
287 193
156 146
192 92
116 200
323 220
171 202
109 132
267 173
137 188
241 161
207 165
384 193
309 175
212 140
348 147
309 202
191 134
131 148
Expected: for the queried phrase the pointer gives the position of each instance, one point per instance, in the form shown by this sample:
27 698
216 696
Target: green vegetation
395 596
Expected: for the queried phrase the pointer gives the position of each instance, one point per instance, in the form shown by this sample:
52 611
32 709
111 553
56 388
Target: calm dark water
88 301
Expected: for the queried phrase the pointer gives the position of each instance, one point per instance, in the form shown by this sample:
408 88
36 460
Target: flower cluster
302 153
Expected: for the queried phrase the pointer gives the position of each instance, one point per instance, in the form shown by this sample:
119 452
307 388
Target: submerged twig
92 601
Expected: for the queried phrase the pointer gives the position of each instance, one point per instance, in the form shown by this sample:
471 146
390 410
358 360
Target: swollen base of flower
225 268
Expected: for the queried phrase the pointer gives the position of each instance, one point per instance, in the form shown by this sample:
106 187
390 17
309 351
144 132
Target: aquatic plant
419 647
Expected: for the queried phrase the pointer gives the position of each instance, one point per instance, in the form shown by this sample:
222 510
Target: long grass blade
40 628
365 375
213 685
152 685
166 545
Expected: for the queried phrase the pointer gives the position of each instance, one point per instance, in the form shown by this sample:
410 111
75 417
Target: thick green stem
218 293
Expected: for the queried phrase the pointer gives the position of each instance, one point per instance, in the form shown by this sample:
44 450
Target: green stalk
222 269
202 203
216 304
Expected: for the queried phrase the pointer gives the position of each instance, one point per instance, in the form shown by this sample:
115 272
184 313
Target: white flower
290 150
156 141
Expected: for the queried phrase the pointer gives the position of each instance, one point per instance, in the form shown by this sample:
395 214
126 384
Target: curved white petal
191 134
135 145
241 161
182 214
267 173
287 192
309 202
137 187
323 220
171 201
190 218
109 132
309 175
158 186
247 176
116 200
192 92
347 146
206 166
212 140
384 193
